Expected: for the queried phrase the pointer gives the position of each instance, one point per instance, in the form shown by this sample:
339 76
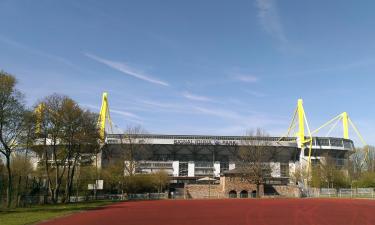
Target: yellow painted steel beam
301 121
39 114
333 127
345 126
309 158
309 140
327 123
361 138
104 116
291 126
357 132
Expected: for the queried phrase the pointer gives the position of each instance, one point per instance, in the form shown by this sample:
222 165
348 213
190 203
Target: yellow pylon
104 116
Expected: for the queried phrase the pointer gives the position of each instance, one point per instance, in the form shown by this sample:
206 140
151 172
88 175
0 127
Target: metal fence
29 200
339 193
147 196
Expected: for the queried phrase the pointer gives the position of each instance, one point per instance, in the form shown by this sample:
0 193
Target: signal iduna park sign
203 142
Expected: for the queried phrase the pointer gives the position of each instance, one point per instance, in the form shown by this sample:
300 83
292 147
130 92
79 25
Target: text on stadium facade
204 142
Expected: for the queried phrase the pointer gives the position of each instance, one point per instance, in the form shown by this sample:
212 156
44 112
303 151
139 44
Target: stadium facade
188 158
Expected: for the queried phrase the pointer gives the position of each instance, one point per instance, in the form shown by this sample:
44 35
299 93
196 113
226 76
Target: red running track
229 212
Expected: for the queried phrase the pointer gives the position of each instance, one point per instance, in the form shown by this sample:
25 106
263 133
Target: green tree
67 136
161 180
22 170
366 180
316 179
113 177
326 174
11 123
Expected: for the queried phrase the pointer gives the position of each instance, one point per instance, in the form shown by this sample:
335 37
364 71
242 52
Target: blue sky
197 67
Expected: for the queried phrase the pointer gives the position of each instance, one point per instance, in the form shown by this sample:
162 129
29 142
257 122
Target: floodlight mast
104 117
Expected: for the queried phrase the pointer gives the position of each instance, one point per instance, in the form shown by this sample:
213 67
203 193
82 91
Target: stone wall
291 191
236 185
199 191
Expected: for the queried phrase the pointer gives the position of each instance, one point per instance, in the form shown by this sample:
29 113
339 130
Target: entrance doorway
232 194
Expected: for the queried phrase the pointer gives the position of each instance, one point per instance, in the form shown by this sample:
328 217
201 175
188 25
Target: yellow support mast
301 121
300 134
345 125
39 111
104 116
306 141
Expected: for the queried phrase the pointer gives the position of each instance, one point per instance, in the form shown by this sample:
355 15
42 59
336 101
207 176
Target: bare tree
11 123
370 160
254 155
50 130
132 147
356 163
299 174
81 140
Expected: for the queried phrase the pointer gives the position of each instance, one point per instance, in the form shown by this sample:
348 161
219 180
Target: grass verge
36 214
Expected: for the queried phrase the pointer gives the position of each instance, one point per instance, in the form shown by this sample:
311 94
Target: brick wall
238 184
199 191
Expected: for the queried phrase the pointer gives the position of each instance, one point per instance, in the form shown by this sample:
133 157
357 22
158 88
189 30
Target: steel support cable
360 137
310 145
333 127
108 117
327 123
291 126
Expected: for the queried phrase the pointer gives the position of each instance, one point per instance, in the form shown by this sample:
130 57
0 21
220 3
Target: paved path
229 212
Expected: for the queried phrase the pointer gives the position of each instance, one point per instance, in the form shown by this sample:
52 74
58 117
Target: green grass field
35 214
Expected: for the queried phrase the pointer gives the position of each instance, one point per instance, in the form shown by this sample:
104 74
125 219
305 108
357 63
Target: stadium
193 161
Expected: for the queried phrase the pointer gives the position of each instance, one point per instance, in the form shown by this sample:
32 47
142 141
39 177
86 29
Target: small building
233 184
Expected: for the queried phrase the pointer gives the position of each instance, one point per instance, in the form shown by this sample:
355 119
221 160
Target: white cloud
240 123
343 66
218 112
119 112
124 113
246 78
269 19
38 52
196 97
126 69
255 93
164 105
